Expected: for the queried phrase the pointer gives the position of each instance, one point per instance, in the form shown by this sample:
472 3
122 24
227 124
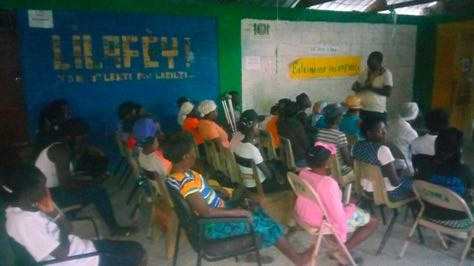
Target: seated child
34 222
345 218
203 199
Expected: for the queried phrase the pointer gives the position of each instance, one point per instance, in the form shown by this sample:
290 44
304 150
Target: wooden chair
447 199
398 154
303 189
373 173
212 155
343 181
286 154
278 205
125 157
231 169
162 196
210 249
265 145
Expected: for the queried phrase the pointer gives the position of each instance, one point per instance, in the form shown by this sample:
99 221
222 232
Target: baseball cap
334 110
250 116
144 130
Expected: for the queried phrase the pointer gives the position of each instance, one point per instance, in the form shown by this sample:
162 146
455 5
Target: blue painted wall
96 85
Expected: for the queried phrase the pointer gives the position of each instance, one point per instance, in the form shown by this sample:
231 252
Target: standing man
373 87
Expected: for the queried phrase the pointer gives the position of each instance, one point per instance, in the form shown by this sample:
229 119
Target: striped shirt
191 182
337 138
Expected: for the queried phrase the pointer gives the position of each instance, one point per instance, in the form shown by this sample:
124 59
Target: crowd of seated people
72 171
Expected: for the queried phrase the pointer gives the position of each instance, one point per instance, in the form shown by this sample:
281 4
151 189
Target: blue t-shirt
350 124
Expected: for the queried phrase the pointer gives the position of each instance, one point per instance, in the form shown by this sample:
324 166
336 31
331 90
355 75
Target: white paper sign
40 19
252 63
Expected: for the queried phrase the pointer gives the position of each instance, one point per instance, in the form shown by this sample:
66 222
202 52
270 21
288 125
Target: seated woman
448 171
331 134
372 151
272 181
345 218
34 222
150 156
208 126
290 127
178 148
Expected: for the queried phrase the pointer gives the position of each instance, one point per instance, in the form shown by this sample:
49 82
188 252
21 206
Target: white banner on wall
320 59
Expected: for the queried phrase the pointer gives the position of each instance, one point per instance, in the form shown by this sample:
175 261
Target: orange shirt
191 124
272 129
211 130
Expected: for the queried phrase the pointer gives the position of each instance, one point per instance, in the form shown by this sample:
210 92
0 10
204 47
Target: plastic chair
380 197
210 249
162 194
278 205
343 181
303 189
286 154
124 154
265 145
444 198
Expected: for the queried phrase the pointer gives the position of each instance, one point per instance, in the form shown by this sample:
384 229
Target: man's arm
47 206
384 91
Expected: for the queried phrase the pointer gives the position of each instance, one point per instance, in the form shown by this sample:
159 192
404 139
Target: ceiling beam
309 3
400 5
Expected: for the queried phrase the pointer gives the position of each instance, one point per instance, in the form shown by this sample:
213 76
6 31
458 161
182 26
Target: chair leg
314 257
259 261
132 193
346 251
418 229
176 247
199 260
410 234
122 175
171 237
127 176
382 214
347 193
118 167
388 231
466 248
440 236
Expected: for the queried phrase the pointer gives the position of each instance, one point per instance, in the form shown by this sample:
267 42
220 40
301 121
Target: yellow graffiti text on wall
121 51
325 67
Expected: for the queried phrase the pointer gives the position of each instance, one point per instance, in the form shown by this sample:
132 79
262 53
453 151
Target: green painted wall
228 20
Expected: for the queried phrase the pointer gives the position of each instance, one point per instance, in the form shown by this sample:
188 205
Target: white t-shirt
401 134
424 145
384 155
372 101
151 163
40 236
47 167
249 151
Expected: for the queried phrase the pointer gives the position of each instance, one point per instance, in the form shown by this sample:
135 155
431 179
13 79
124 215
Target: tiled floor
430 254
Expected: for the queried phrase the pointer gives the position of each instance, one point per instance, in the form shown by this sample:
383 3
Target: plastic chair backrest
372 173
188 220
249 163
304 189
440 196
286 153
265 144
231 169
336 169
